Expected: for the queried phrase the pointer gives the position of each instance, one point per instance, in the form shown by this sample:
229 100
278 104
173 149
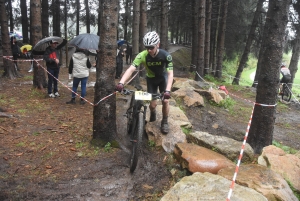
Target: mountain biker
159 75
286 75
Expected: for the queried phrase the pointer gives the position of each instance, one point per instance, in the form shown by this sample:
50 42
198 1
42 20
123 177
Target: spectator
128 53
119 61
79 67
51 56
16 52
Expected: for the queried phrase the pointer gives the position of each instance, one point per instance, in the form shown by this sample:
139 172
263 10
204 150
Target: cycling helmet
282 65
151 39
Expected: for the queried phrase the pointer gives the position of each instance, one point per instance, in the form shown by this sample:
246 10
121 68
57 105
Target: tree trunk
87 13
45 18
11 17
135 38
195 47
77 17
143 23
221 40
164 25
250 39
216 7
66 32
25 26
126 19
39 77
56 18
9 69
201 40
207 37
261 130
104 122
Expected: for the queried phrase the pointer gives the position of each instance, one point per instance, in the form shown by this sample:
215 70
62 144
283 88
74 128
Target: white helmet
151 38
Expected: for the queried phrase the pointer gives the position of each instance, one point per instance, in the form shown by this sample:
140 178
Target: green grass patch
286 149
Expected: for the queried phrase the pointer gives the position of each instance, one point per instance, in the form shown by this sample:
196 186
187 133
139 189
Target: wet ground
46 152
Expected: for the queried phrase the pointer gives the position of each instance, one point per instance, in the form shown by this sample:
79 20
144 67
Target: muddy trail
46 151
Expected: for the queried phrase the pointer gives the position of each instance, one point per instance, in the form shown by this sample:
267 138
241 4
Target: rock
190 98
223 145
212 94
207 186
177 119
263 180
287 165
200 159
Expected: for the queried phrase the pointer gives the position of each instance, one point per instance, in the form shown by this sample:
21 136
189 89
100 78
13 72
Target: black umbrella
85 41
40 47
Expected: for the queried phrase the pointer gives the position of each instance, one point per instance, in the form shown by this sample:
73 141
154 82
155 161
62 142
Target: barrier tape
240 157
21 60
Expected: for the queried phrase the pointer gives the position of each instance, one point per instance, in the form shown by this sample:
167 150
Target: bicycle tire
286 94
137 141
129 113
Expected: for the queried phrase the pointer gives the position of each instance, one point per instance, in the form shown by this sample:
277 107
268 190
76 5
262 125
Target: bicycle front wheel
137 141
286 94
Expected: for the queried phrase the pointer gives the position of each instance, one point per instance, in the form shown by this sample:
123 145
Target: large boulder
262 179
177 119
212 94
223 145
287 165
189 96
207 186
200 159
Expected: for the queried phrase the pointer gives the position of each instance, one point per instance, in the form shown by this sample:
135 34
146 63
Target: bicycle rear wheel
286 94
137 140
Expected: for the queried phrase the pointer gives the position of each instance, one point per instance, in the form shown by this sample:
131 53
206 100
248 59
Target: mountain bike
136 118
285 92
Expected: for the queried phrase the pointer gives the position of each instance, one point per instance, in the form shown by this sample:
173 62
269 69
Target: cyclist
286 74
159 75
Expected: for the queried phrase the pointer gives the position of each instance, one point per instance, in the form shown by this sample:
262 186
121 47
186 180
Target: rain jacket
49 56
79 65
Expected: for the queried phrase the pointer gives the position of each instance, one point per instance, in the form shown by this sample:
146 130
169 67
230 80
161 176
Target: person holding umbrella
51 56
79 67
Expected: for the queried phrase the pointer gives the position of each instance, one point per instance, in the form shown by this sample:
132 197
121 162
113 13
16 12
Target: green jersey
155 66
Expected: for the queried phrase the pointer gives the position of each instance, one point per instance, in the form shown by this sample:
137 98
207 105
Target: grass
286 149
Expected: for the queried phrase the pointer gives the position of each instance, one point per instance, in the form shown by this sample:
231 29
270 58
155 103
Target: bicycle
136 118
285 92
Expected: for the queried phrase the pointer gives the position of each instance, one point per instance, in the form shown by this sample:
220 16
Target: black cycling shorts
285 79
157 83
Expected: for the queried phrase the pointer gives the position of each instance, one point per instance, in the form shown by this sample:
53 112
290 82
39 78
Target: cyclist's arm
170 73
170 80
127 74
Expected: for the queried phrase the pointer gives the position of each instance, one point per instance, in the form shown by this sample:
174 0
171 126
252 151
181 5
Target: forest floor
46 152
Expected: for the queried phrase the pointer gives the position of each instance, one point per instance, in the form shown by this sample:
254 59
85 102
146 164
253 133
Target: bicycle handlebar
154 95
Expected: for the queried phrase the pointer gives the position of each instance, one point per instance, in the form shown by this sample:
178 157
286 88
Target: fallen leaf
72 149
48 166
61 143
5 158
19 154
27 166
76 175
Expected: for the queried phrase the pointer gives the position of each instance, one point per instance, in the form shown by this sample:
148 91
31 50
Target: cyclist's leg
152 88
165 106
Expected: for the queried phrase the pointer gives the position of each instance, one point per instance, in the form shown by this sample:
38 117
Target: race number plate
141 95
